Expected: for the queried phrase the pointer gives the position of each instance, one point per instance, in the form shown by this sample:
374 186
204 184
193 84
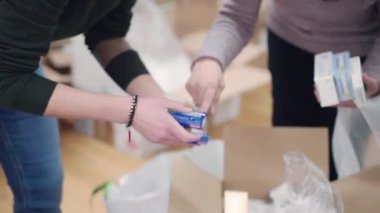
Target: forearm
231 31
67 102
145 85
126 69
105 51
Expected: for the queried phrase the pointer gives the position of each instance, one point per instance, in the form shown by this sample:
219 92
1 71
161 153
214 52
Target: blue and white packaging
338 78
357 82
343 76
324 79
195 121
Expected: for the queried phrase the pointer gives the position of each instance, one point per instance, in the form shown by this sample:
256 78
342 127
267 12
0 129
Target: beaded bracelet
131 115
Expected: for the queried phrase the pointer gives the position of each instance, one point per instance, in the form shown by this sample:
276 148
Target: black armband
125 67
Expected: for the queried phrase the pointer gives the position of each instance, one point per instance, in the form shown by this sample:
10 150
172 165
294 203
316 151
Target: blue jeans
31 158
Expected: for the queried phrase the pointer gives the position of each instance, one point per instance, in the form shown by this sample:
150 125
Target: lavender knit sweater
312 25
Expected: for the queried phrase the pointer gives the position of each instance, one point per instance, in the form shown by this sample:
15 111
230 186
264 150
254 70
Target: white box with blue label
357 82
343 76
324 79
338 78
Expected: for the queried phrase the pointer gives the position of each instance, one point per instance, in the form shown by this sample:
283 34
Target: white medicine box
324 79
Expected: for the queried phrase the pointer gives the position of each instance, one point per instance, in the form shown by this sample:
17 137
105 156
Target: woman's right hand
206 84
153 121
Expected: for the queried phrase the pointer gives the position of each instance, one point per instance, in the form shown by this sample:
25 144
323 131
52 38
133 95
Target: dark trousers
294 103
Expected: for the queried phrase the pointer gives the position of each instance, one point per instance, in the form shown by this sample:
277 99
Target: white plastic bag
353 128
146 190
305 189
371 113
350 140
158 46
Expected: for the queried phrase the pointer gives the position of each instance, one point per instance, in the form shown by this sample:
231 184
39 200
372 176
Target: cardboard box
253 163
251 160
361 192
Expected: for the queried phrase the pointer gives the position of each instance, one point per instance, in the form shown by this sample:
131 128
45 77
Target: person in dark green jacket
29 142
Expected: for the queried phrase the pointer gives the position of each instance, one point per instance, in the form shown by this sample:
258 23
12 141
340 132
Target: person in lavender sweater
297 29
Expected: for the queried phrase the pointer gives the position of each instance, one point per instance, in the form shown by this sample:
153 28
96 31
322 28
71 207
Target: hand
206 84
372 87
154 122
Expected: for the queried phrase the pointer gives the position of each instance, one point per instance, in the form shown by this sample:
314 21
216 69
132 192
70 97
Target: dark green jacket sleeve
26 30
114 25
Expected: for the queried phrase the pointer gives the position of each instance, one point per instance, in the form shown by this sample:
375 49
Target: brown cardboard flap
361 193
193 190
253 156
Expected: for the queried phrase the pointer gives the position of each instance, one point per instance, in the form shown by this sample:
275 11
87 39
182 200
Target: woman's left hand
372 89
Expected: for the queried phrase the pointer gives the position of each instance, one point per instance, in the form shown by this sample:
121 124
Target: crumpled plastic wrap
305 189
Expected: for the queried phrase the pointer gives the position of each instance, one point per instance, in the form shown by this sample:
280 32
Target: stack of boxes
338 78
